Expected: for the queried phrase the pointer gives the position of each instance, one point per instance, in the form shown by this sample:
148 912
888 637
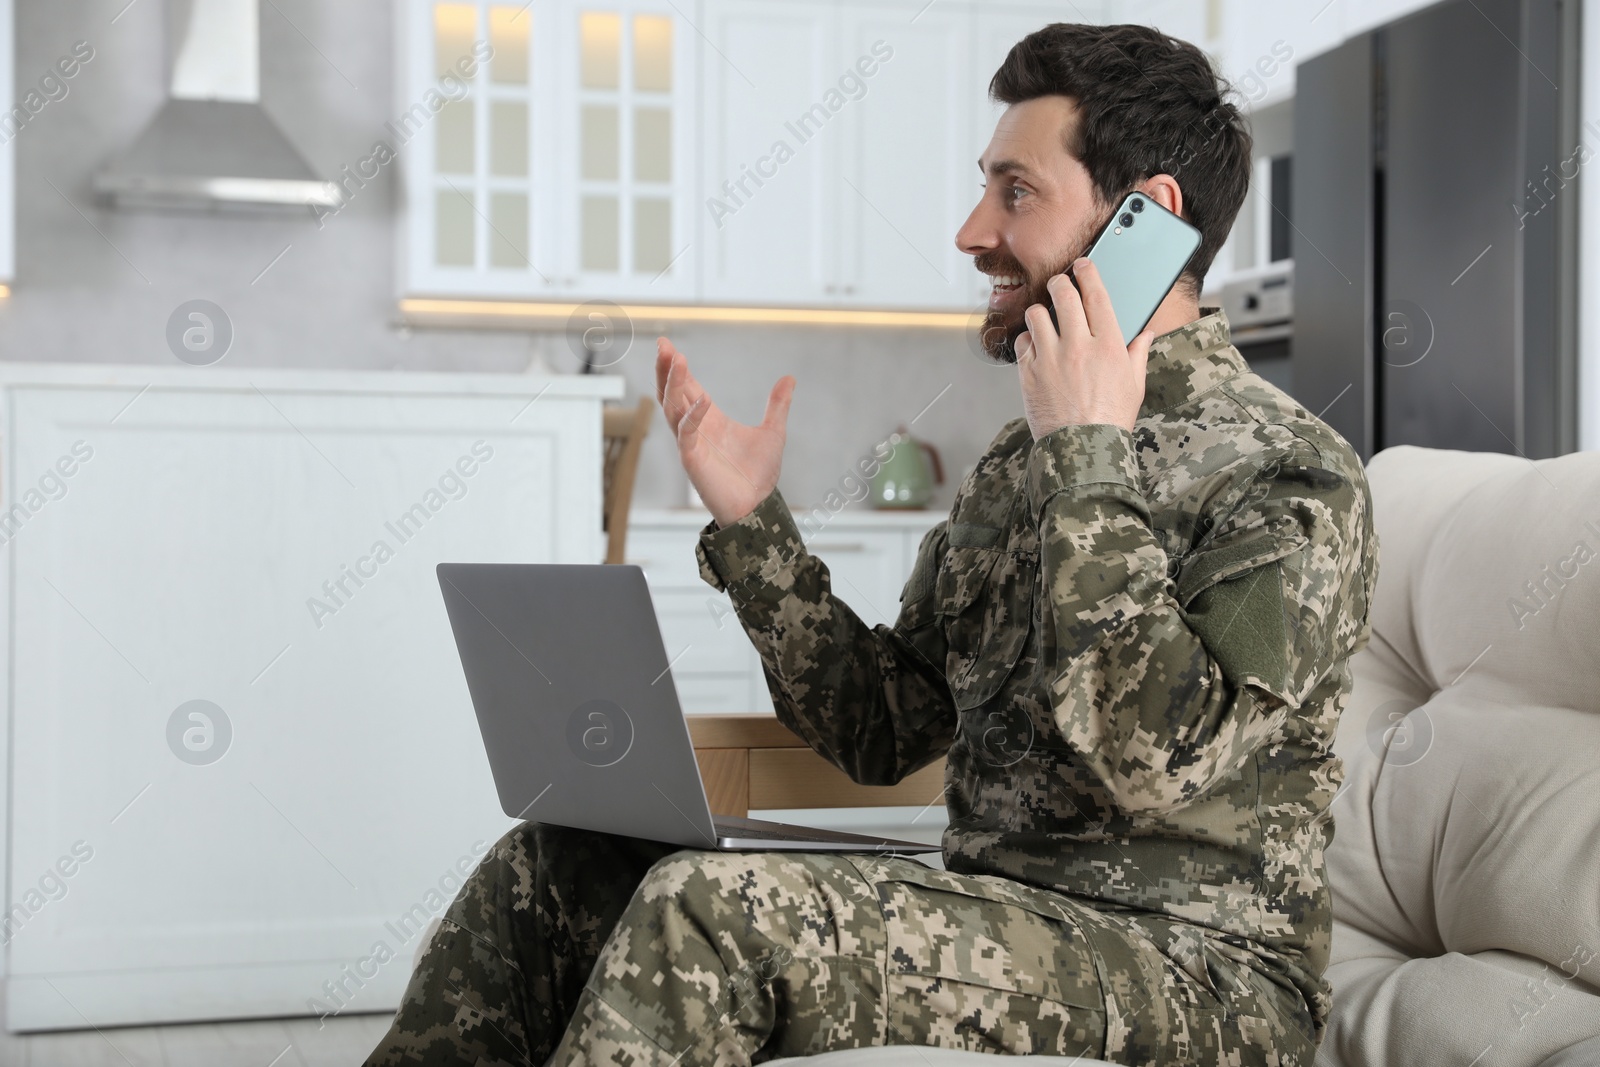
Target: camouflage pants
571 947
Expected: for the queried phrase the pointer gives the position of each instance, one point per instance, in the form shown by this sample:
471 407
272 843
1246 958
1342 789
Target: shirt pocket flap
974 535
983 597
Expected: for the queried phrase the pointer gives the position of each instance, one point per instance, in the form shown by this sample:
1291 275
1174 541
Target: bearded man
1130 638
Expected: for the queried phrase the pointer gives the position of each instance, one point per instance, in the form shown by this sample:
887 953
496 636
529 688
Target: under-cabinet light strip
427 311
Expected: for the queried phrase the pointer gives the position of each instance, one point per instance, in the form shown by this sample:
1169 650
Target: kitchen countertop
854 515
307 379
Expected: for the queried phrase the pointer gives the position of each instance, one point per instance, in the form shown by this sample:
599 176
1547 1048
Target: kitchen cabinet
8 150
907 169
714 667
548 149
996 28
826 183
1184 19
821 153
1261 42
625 195
768 211
1256 44
237 723
811 153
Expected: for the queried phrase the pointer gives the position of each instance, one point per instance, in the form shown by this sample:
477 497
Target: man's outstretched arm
873 700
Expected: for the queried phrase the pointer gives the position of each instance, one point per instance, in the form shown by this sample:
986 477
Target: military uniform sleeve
1165 679
873 700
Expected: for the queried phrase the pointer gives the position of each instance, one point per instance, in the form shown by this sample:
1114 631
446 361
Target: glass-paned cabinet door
477 149
626 123
8 157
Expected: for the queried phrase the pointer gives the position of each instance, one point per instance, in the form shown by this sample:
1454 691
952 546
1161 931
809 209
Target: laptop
574 696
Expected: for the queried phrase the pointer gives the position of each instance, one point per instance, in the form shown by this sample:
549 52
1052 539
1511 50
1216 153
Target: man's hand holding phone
1082 373
732 466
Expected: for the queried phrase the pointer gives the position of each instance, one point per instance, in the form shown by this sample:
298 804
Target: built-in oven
1259 304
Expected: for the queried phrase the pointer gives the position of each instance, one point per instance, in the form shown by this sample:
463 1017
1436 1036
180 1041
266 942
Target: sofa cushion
1465 862
1583 1054
912 1056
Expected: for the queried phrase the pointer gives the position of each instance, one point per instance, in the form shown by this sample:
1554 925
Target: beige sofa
1465 863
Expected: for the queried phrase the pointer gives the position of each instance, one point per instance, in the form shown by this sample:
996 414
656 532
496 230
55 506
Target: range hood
212 146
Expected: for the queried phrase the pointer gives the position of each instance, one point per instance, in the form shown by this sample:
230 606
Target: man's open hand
1082 375
732 466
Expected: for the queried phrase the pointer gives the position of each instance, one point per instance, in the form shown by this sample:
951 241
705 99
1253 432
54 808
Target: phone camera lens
1136 205
1127 219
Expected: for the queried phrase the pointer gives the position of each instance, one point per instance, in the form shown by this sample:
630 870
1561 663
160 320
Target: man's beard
1000 330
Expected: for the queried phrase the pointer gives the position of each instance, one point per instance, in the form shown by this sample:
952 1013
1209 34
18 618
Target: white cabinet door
714 666
716 694
563 166
768 154
866 569
8 152
701 632
715 669
908 176
666 554
475 150
625 114
1184 19
1261 41
995 29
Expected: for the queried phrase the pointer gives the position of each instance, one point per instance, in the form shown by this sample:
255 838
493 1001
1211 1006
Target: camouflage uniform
1132 648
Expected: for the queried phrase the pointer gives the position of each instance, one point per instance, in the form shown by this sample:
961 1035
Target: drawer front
714 667
667 556
867 569
701 632
713 694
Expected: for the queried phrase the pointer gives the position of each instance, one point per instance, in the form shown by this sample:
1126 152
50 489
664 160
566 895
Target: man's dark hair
1147 104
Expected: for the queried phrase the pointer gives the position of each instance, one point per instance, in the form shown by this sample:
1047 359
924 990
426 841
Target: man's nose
978 234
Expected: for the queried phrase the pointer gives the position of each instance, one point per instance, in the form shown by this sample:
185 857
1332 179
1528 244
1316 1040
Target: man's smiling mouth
1004 285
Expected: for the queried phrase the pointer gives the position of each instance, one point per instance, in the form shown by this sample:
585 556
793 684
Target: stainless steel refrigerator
1436 162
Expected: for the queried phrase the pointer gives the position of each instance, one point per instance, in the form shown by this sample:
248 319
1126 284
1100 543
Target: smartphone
1140 252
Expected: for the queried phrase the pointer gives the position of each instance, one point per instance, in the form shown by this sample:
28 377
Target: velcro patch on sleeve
1243 622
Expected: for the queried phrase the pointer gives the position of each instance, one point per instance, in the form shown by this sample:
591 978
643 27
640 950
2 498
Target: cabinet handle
838 546
830 289
849 290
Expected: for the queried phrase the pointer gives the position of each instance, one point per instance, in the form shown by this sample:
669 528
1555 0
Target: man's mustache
996 263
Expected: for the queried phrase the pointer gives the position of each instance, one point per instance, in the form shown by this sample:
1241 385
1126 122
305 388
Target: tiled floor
338 1042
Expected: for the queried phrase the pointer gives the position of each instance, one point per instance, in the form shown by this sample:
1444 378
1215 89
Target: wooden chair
625 430
754 761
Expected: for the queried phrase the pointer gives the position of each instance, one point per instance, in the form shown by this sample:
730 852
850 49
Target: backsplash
853 388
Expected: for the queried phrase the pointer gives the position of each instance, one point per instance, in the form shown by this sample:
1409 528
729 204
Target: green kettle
908 473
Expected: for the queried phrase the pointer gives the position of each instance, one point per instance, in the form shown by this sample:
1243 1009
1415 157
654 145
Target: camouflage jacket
1132 647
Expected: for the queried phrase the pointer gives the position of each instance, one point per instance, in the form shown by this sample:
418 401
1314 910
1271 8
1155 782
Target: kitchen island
245 771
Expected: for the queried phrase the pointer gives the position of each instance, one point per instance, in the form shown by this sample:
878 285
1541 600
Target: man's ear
1164 190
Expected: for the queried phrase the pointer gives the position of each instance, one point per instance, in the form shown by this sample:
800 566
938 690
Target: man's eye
1016 191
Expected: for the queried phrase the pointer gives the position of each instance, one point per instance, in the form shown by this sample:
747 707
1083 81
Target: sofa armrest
754 761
